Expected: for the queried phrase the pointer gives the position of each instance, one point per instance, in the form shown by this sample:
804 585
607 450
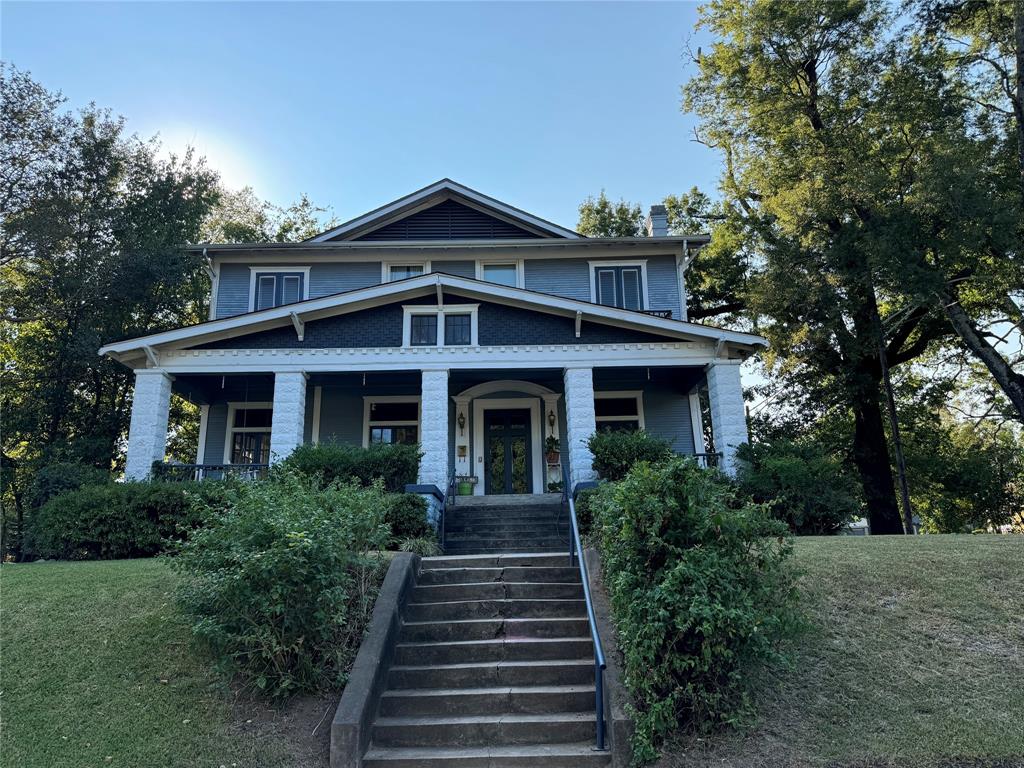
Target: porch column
580 423
147 433
728 415
289 416
434 428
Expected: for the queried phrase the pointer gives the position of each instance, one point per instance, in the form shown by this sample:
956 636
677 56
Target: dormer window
619 284
453 325
276 286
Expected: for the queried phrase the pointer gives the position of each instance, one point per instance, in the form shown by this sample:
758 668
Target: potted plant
552 449
465 485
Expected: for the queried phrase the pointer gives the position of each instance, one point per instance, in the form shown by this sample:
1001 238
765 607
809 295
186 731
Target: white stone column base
434 428
147 433
728 414
580 423
289 416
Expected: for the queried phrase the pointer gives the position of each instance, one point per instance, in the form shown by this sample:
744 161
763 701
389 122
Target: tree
241 217
601 217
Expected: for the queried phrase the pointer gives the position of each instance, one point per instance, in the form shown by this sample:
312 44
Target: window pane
394 411
265 296
631 288
606 287
423 330
400 272
290 290
392 435
253 417
615 406
250 448
504 274
457 329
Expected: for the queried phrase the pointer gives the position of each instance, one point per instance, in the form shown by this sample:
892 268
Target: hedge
393 465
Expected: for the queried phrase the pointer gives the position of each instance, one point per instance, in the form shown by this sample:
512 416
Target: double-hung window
249 433
276 286
619 285
402 270
447 326
502 273
618 411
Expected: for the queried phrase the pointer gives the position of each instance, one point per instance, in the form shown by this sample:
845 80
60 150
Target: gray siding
663 289
341 416
667 415
571 278
457 268
325 279
216 429
233 290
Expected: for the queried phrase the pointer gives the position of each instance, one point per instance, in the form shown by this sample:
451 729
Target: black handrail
449 498
599 663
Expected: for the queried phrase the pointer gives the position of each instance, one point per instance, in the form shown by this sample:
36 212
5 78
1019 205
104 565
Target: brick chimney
657 221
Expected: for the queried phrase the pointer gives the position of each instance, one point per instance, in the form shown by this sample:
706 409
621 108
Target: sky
356 104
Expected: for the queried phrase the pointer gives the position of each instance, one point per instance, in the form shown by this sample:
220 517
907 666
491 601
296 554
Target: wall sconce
551 421
462 423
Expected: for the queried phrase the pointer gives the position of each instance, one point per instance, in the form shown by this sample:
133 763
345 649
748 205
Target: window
401 270
618 411
275 286
506 273
453 325
249 433
391 420
622 285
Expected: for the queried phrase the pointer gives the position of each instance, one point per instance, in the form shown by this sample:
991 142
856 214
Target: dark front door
507 451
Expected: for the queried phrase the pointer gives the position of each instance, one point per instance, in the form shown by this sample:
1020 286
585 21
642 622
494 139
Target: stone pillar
728 415
147 434
580 423
434 428
289 417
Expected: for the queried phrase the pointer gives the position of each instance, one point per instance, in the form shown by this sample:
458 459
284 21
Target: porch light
551 421
462 423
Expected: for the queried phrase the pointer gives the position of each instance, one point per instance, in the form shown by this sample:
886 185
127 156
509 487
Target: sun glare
230 159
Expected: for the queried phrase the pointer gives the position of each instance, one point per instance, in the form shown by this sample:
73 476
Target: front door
507 451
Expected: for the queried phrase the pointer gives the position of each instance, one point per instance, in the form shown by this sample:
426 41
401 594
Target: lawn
914 657
97 671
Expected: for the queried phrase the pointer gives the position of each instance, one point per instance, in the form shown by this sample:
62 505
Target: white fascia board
362 298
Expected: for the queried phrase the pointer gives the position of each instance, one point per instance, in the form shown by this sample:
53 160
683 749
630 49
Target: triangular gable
445 207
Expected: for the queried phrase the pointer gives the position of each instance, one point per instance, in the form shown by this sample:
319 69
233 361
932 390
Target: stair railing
576 554
448 500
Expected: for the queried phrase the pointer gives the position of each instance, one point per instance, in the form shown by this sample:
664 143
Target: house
453 320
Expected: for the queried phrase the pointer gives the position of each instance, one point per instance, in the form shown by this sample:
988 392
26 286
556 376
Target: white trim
230 429
592 265
369 400
517 263
204 421
697 423
506 385
214 289
482 404
636 394
314 436
408 310
387 264
256 269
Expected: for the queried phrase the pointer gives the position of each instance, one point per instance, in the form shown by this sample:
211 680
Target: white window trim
385 267
517 263
633 393
229 432
641 263
408 310
369 400
314 436
255 271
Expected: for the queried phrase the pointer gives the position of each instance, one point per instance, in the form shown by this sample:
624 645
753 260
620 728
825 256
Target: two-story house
452 320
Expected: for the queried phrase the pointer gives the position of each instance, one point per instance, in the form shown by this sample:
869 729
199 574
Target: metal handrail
576 546
449 498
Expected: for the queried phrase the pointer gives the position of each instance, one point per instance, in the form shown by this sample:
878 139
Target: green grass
914 657
98 671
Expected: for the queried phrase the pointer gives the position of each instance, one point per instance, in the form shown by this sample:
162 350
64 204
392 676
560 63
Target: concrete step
500 649
578 755
483 730
522 559
530 574
491 629
490 674
518 517
497 590
469 550
512 543
546 527
537 699
494 609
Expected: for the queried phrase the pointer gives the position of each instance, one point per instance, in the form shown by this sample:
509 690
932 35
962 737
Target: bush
406 516
615 453
61 477
280 586
584 503
119 520
700 592
393 465
804 485
424 546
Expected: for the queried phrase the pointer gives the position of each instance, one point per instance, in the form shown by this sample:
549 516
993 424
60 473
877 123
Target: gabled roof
432 195
364 298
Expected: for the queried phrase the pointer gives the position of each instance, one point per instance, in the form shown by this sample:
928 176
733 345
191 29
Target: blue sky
357 104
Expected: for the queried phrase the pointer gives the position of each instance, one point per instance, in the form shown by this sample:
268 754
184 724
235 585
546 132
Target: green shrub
406 516
280 586
700 592
424 546
119 520
811 490
584 503
615 453
61 477
393 465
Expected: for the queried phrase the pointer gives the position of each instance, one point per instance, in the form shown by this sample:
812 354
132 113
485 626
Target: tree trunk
871 455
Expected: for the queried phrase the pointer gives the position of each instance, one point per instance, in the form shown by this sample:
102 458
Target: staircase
492 524
494 664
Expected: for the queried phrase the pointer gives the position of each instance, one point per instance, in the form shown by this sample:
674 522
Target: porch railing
708 460
185 472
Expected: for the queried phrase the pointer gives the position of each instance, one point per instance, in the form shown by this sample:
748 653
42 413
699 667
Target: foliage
584 504
700 593
616 452
279 586
406 516
801 482
118 520
61 477
396 466
241 217
601 217
424 546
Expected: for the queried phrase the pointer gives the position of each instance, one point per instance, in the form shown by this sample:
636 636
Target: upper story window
619 284
453 325
274 286
508 273
395 270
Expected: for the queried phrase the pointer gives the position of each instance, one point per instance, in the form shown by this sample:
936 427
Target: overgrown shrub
280 586
393 465
424 546
61 477
805 486
615 453
406 516
584 503
119 520
700 591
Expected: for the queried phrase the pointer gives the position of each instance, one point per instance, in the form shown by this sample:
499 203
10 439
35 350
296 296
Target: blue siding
667 415
571 278
233 290
216 429
457 268
662 288
341 416
325 279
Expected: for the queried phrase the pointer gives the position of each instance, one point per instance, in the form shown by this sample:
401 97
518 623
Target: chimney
657 221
